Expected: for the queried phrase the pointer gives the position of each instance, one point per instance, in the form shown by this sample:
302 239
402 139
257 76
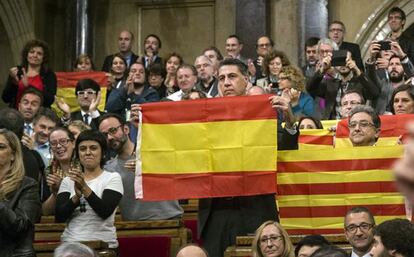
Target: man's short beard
122 142
397 79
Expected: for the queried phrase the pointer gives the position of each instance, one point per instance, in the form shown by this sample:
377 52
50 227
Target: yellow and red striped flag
316 139
392 127
66 84
207 148
316 187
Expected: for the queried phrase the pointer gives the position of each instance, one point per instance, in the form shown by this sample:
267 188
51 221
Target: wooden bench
173 229
244 244
46 249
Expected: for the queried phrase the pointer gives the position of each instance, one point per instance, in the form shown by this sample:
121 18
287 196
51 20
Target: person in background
156 78
76 127
309 244
174 61
308 122
272 65
19 200
34 71
84 63
402 100
73 249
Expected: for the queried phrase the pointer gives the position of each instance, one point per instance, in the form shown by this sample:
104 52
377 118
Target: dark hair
236 37
157 69
272 55
188 66
46 53
34 91
236 62
408 88
64 129
330 251
270 39
215 49
398 235
96 136
12 120
398 10
312 41
87 84
120 56
354 91
360 209
311 240
338 22
174 54
112 115
317 122
47 113
368 110
157 37
200 93
83 57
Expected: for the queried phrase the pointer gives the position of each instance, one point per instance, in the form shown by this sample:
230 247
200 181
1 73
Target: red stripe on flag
213 109
316 140
335 165
70 79
339 211
185 186
336 188
313 231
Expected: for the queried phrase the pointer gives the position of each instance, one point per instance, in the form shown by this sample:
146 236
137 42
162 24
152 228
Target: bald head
192 251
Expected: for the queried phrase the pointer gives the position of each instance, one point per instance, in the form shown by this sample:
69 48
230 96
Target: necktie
86 118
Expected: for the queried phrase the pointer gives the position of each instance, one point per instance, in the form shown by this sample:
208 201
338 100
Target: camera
385 45
339 58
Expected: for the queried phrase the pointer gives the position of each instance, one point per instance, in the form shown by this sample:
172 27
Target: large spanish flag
66 84
207 148
392 127
316 187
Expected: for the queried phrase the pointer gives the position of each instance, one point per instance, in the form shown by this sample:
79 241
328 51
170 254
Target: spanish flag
317 187
207 148
392 127
66 84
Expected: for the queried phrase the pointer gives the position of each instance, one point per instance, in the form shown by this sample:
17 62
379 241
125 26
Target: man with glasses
350 99
264 45
205 73
358 225
88 95
396 21
116 131
364 126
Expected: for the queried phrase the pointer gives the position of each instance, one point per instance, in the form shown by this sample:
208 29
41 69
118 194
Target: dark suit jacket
108 62
157 60
355 51
78 116
407 45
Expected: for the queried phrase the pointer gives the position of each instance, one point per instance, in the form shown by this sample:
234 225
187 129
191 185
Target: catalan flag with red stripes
392 127
316 187
316 139
207 148
66 84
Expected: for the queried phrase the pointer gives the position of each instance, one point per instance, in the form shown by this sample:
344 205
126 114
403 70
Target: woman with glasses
19 200
272 65
62 144
88 197
292 83
271 240
402 100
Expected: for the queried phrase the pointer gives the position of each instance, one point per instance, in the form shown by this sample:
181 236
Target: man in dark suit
358 225
264 46
337 33
220 220
125 41
88 94
152 45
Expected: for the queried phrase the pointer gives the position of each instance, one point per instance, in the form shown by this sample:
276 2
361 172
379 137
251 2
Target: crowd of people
84 161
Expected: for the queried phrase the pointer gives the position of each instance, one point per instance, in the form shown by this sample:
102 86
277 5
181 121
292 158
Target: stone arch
376 26
18 23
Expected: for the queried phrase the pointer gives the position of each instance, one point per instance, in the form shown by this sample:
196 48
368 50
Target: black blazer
157 60
78 116
355 51
108 62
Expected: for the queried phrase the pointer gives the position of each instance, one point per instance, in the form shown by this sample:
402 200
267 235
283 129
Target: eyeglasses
392 17
362 124
273 239
364 227
88 93
283 78
111 131
62 142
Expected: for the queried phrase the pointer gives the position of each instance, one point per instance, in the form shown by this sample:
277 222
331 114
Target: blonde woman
19 200
271 240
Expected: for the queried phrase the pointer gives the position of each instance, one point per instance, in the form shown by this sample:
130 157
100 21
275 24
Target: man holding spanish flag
220 220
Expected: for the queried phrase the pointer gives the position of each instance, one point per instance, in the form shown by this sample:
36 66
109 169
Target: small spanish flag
203 148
